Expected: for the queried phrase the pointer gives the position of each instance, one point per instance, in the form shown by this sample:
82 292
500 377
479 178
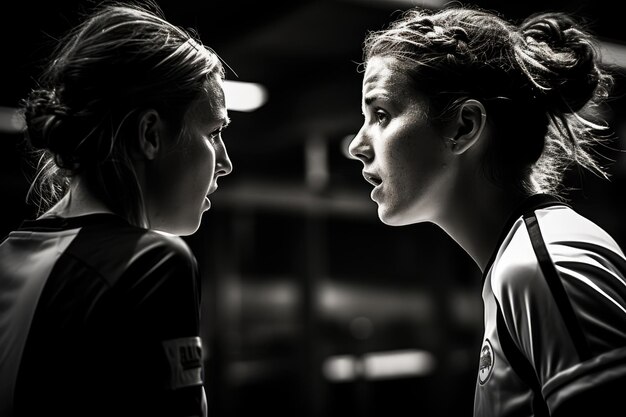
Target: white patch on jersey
185 358
487 361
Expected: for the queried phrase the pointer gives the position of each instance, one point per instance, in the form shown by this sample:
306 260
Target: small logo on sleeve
487 361
184 356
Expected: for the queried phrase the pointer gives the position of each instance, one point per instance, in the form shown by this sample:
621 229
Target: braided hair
541 83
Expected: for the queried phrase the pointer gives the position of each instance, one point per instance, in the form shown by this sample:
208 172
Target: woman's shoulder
114 247
110 230
515 266
568 237
566 226
154 240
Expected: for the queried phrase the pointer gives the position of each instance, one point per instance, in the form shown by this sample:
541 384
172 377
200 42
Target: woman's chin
394 219
183 228
206 204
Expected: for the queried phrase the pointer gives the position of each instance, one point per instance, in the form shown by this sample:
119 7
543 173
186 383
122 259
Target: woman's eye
213 135
381 117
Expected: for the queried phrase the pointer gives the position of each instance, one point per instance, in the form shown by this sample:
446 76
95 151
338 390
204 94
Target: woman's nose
223 164
359 147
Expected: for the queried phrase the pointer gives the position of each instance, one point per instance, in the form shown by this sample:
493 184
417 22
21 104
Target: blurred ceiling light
613 53
398 364
244 96
379 365
240 96
11 121
340 368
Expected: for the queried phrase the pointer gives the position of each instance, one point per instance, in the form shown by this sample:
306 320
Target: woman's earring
451 140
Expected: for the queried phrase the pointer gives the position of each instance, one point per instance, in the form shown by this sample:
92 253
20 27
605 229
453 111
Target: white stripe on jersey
592 268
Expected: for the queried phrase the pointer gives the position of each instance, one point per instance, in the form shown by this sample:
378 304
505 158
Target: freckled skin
397 145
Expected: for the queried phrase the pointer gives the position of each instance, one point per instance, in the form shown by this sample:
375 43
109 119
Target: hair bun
564 58
44 115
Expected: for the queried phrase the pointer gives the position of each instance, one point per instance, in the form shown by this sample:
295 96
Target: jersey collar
54 223
532 203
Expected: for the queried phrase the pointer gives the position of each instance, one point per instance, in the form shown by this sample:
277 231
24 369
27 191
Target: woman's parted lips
372 178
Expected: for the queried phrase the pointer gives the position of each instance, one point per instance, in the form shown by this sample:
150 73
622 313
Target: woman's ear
468 126
149 134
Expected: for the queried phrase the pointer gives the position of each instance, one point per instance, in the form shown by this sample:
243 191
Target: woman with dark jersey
470 122
100 300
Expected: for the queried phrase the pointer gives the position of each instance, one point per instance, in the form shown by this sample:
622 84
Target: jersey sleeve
156 344
575 340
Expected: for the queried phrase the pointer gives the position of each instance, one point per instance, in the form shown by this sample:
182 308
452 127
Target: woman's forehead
211 105
383 76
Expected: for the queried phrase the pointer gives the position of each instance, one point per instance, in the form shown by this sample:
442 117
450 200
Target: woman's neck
477 220
78 201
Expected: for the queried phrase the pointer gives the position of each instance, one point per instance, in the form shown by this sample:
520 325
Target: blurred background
311 306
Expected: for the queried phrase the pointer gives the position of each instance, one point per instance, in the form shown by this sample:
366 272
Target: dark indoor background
297 269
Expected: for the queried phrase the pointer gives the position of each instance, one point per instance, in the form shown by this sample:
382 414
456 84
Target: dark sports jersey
98 317
555 317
